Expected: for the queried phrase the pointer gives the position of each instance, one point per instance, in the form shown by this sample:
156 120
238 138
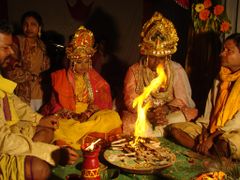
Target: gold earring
74 68
90 64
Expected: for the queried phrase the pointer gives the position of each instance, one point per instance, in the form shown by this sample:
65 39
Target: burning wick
91 146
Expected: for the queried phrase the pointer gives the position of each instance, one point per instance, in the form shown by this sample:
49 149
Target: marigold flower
218 9
225 26
199 7
207 3
204 14
209 15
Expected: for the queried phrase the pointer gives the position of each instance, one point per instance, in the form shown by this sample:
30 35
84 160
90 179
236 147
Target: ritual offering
91 165
139 155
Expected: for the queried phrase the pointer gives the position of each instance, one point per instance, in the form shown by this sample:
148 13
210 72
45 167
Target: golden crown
81 46
159 37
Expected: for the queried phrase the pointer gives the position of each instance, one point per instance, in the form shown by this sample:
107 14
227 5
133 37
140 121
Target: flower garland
210 15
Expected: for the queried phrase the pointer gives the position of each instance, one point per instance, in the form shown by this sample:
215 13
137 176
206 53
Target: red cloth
63 92
6 108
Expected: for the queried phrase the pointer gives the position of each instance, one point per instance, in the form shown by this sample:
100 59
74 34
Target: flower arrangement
210 15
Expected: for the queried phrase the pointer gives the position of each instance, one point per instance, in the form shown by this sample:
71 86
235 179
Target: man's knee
172 131
36 168
43 134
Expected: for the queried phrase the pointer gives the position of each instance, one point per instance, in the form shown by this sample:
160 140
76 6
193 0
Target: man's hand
63 113
79 117
157 116
72 155
83 117
205 146
190 113
49 121
65 155
204 142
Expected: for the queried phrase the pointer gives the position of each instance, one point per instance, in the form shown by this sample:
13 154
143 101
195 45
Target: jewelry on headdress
159 37
81 46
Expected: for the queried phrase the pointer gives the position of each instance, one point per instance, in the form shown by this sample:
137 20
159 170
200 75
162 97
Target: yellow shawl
228 100
7 86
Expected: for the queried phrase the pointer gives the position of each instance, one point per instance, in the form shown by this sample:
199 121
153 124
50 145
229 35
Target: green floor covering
185 168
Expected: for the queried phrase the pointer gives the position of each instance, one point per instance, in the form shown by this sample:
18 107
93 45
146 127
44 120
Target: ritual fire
142 125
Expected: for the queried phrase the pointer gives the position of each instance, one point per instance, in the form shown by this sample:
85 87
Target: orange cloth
226 106
64 97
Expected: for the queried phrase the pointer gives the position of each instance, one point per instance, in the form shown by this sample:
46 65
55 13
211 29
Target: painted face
5 48
81 66
31 28
230 55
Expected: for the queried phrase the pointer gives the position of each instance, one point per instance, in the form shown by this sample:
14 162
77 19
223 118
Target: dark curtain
202 64
79 11
3 9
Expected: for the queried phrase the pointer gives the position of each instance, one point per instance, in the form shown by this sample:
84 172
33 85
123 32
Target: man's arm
24 111
17 144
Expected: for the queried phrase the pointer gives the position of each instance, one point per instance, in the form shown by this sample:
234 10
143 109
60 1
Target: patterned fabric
30 61
81 90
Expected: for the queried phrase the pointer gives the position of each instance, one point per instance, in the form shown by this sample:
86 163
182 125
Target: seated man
218 130
81 97
24 134
169 104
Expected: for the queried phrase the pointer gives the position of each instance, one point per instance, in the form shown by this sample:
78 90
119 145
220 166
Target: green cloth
183 169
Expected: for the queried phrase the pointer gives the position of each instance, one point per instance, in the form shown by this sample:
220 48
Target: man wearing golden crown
169 104
217 132
81 97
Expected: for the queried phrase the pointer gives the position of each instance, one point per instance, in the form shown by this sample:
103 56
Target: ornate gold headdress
81 46
159 37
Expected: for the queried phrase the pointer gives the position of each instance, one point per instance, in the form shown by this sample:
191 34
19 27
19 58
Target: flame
142 124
